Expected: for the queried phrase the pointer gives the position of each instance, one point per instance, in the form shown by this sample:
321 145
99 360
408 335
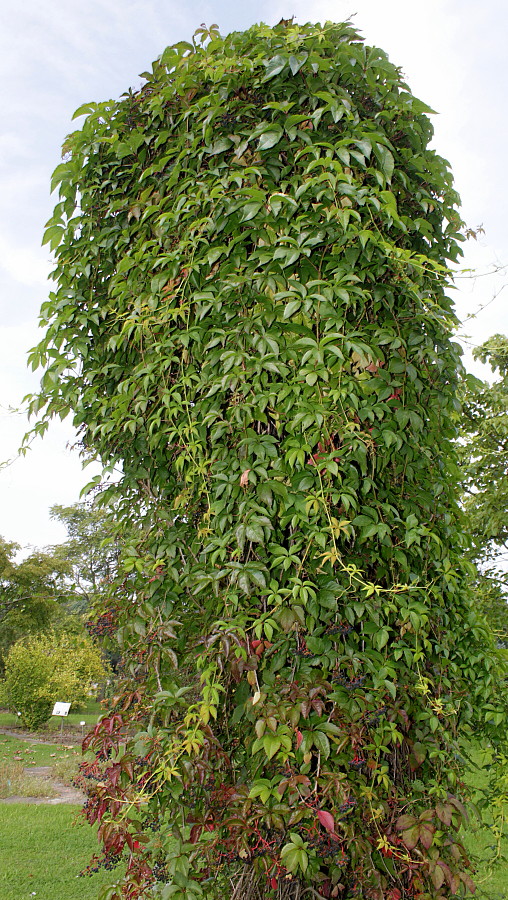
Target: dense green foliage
57 588
90 554
43 669
484 461
251 320
32 593
485 454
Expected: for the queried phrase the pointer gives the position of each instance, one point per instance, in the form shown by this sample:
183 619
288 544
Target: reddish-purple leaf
437 876
427 834
405 822
459 807
444 813
468 882
454 882
410 837
417 755
326 820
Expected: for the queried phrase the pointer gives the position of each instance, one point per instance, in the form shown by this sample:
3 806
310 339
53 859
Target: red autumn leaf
468 881
326 820
444 813
273 883
437 876
410 837
427 834
299 738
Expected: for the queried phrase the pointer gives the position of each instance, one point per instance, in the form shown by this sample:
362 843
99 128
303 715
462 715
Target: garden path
64 793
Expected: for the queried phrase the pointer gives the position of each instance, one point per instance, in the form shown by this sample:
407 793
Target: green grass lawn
491 880
13 749
43 852
89 715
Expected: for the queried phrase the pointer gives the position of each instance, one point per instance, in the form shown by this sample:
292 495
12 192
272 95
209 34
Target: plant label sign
61 709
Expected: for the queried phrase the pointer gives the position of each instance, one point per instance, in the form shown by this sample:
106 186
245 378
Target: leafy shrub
42 669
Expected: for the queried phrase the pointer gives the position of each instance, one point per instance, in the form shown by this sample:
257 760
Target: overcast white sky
55 56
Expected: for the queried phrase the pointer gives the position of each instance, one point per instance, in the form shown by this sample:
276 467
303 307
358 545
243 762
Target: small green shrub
43 669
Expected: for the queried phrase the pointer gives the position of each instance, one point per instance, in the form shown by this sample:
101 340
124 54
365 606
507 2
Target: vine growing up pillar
251 321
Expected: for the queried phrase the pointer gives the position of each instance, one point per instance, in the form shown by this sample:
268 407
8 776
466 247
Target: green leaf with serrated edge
254 532
271 744
296 62
219 146
322 743
274 66
269 138
291 307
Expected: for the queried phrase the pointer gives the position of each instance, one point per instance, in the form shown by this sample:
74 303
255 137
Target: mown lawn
13 749
491 880
89 715
43 851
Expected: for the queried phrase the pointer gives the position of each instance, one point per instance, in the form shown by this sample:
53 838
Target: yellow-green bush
45 668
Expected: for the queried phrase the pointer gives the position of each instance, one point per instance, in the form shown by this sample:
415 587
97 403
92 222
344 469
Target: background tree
32 593
90 553
57 588
251 320
484 459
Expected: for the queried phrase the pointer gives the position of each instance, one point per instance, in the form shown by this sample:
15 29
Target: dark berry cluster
227 119
108 860
226 857
328 848
302 649
374 717
160 871
342 628
303 652
347 806
104 625
357 762
350 684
